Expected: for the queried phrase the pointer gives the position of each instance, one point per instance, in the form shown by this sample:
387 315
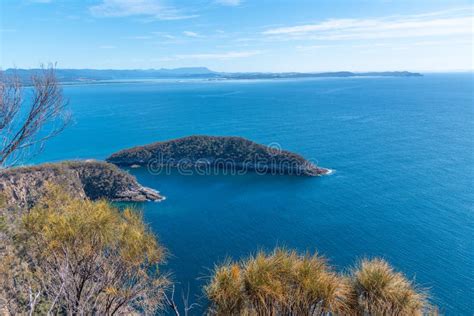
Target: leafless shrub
26 124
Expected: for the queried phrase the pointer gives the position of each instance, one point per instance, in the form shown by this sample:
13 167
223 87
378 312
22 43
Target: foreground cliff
91 179
217 152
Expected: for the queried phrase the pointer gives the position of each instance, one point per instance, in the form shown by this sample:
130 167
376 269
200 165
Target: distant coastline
85 76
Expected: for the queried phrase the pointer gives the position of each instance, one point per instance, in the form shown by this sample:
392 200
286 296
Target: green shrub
76 256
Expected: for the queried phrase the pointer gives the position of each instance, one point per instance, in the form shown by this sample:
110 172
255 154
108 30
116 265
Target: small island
224 153
85 179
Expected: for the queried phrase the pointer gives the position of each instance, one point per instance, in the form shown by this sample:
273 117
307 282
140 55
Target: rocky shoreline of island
212 154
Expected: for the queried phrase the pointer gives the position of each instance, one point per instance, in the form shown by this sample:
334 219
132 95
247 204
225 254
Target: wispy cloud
153 9
313 47
41 1
220 56
140 37
438 43
191 34
164 35
232 3
444 23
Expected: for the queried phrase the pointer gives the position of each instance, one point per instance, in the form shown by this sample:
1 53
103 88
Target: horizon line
259 71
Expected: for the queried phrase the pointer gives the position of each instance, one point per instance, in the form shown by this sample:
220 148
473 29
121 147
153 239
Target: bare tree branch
26 125
187 306
171 303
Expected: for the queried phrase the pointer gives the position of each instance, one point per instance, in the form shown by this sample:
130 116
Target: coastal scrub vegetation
284 282
70 255
76 256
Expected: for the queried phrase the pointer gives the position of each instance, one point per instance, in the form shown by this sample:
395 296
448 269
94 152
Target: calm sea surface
402 150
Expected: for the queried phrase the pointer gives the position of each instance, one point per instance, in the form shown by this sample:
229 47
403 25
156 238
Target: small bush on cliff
76 256
286 283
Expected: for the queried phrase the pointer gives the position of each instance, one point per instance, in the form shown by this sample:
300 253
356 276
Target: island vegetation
225 153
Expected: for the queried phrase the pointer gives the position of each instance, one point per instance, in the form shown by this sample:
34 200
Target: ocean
402 151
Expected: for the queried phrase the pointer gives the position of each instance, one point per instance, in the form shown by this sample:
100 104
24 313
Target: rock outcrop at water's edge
217 152
91 179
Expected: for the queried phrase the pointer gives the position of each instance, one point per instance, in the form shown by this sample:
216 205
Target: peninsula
231 154
85 179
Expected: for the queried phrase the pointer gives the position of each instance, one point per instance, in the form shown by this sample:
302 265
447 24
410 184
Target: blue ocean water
401 148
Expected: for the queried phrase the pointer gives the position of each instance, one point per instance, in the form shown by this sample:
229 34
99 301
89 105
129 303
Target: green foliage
83 257
58 220
3 223
235 149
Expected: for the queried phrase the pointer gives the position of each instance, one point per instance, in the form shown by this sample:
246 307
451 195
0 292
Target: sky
239 35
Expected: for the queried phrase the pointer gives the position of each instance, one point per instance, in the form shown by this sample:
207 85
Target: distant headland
101 75
206 154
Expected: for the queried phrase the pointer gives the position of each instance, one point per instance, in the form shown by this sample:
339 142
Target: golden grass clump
280 283
226 289
285 282
379 290
317 289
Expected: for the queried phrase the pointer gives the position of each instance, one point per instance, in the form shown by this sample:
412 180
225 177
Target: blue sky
239 35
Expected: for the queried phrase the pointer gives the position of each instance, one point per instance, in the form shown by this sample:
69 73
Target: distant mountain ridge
93 75
277 75
84 75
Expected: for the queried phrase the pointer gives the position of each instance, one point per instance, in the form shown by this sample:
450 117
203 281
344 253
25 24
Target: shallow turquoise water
402 149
